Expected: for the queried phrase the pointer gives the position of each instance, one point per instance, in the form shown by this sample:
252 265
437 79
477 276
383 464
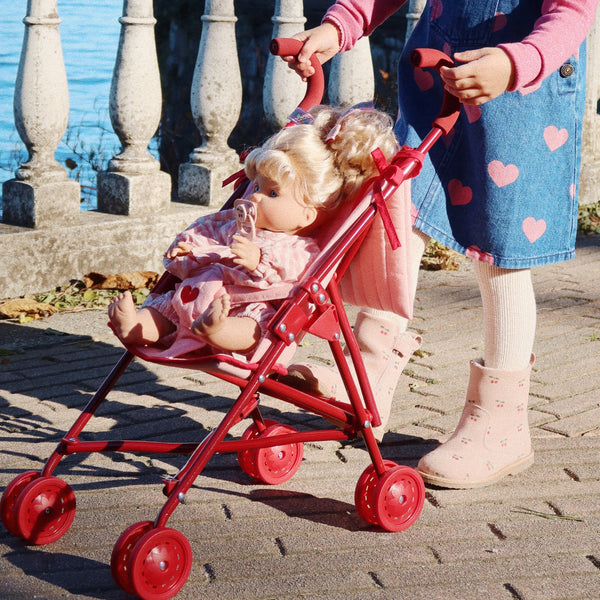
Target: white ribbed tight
509 310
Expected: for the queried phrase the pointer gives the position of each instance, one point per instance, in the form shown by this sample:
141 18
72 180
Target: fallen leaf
26 309
131 280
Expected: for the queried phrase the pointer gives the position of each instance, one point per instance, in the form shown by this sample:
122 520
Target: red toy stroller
154 561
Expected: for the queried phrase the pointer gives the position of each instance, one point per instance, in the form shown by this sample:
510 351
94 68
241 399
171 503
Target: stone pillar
283 89
351 79
216 100
415 8
589 181
41 195
134 184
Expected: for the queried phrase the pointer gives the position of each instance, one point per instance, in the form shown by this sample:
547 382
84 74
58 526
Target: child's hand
248 254
323 40
485 74
181 249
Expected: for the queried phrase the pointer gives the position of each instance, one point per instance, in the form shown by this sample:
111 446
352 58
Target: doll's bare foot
123 316
213 319
217 328
135 327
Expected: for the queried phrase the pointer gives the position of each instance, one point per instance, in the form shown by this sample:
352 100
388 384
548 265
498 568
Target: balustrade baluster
283 89
351 79
216 100
415 8
134 184
41 195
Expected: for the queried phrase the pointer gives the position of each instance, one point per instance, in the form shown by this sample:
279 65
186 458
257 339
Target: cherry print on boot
492 438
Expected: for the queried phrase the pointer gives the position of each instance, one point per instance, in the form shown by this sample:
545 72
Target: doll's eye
273 194
256 187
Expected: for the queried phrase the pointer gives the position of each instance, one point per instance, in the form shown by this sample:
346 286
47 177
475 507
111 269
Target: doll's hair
324 171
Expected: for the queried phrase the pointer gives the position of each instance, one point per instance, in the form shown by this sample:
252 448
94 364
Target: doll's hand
485 74
324 41
248 254
181 249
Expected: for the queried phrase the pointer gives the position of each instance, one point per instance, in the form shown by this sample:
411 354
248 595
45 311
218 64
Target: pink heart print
533 229
437 8
500 21
459 194
423 79
555 137
502 174
473 112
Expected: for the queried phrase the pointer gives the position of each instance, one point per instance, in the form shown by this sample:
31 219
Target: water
90 34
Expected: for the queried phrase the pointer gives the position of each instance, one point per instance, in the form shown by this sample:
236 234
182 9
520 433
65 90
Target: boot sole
513 469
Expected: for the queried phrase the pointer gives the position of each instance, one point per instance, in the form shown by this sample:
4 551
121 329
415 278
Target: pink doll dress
208 272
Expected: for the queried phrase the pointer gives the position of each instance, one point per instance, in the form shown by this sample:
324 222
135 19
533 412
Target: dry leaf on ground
131 280
26 307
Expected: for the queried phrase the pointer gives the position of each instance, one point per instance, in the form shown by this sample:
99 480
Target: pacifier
245 216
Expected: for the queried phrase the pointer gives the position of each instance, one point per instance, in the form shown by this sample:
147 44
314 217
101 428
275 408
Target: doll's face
279 207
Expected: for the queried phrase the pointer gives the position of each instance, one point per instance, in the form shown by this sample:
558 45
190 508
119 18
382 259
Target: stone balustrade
41 204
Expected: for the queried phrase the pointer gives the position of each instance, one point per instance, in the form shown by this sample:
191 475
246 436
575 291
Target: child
500 188
229 280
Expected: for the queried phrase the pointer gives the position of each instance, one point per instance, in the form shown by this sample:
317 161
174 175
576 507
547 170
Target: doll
231 273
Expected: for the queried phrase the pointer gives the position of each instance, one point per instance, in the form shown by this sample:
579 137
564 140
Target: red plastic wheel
278 463
11 494
45 510
119 559
364 493
399 498
160 564
247 458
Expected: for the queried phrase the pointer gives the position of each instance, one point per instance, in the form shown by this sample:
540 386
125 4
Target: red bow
239 176
394 175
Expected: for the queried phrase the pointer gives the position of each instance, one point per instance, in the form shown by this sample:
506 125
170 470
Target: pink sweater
557 34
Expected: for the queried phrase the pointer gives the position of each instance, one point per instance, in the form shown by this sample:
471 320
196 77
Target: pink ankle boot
385 352
492 438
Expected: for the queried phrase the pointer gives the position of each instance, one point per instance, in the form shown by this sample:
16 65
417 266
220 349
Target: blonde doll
230 275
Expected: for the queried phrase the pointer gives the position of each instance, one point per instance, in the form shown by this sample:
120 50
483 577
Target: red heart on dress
423 79
189 294
459 194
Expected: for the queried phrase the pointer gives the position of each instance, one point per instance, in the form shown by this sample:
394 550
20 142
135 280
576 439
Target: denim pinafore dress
501 187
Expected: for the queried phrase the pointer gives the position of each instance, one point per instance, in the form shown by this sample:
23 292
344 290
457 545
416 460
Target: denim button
567 70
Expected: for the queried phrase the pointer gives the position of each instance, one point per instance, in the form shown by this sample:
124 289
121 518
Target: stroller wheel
399 498
160 564
278 463
8 503
247 458
45 510
119 559
364 493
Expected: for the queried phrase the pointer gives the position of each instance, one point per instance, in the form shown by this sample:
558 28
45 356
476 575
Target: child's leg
234 334
492 438
145 326
385 346
509 313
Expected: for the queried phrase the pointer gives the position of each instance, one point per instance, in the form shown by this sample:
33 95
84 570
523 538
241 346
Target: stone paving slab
303 539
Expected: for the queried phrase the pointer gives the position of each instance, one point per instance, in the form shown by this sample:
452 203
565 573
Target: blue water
90 34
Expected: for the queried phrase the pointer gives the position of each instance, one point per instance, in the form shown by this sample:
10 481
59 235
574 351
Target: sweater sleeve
357 18
556 36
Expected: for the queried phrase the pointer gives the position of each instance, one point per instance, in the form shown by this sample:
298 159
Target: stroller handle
425 58
316 82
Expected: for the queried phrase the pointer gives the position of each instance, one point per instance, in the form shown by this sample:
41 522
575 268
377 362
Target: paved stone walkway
304 539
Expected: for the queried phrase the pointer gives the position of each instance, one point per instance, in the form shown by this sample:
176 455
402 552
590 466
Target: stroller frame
386 494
